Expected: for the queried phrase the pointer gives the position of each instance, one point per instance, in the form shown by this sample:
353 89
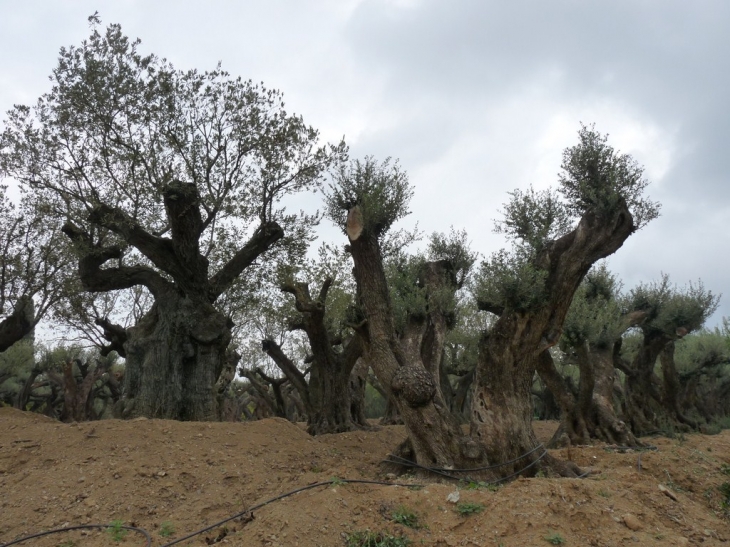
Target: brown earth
174 478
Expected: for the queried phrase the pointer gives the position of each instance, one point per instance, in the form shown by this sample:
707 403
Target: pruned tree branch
261 241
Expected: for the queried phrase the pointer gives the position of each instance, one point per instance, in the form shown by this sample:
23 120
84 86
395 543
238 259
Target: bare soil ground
174 478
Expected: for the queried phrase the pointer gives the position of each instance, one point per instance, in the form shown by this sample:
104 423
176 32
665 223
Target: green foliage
705 349
462 342
509 280
672 310
454 249
120 128
724 489
595 314
336 481
16 363
534 217
479 485
35 264
116 530
554 538
381 190
167 529
723 422
367 538
408 297
466 509
406 517
597 178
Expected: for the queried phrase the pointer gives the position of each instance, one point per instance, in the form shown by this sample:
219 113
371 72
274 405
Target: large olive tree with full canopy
171 180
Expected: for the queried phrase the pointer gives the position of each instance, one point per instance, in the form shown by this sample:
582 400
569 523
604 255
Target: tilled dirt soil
173 478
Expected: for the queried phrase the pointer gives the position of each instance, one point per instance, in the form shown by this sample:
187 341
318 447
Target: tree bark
592 415
573 429
326 396
502 403
645 405
404 371
24 393
672 387
175 354
358 384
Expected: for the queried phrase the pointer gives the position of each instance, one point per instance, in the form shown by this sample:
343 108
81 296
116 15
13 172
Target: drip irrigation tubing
142 531
440 470
486 468
333 482
147 536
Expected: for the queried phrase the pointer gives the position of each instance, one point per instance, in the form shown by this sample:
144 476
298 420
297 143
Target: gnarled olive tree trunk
652 404
590 415
174 357
408 368
326 395
501 412
644 407
176 352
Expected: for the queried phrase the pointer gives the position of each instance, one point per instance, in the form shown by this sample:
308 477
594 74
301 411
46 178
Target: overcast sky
475 98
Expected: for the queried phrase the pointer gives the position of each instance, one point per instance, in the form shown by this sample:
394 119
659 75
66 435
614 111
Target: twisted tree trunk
175 354
408 369
508 357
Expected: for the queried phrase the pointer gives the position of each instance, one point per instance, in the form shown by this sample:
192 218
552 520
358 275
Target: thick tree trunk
175 355
329 395
670 396
326 395
502 401
645 407
592 414
573 428
608 426
24 393
405 372
358 384
501 411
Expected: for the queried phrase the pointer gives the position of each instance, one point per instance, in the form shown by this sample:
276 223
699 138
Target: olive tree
557 237
592 331
171 180
333 346
667 314
403 338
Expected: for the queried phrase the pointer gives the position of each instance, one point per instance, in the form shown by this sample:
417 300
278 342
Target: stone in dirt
631 522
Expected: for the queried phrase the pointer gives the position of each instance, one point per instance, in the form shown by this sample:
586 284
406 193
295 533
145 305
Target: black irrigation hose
439 470
404 462
207 528
82 527
282 496
488 467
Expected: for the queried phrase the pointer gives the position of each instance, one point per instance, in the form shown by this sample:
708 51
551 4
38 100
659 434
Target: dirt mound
173 478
